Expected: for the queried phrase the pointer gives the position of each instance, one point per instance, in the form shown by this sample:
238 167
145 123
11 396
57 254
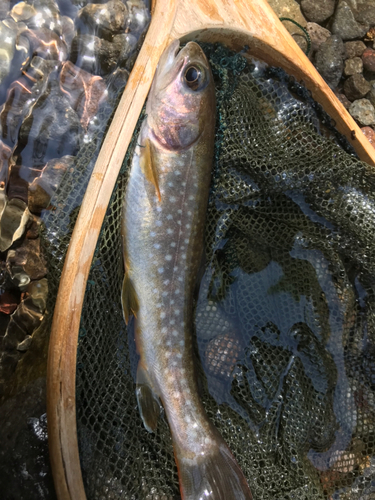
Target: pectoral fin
148 166
148 401
129 299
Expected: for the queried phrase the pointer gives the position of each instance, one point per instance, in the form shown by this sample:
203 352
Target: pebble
368 58
370 134
290 9
330 60
318 35
366 12
344 100
317 10
354 49
371 95
363 111
353 66
356 87
345 25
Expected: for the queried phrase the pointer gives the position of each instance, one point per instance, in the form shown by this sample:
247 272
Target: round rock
370 134
345 25
363 111
318 35
354 49
353 66
317 10
330 60
368 58
356 86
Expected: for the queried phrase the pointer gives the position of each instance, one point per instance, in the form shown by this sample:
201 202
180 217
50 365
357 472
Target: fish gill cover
284 320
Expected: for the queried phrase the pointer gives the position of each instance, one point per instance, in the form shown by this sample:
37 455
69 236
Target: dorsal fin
148 166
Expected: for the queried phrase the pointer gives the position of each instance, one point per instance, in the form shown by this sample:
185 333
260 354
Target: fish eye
193 77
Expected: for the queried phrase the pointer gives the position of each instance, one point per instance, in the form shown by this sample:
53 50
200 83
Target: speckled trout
163 230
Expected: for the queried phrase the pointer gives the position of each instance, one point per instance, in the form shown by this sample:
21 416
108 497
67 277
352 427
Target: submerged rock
13 222
26 263
101 57
103 20
84 90
52 130
41 190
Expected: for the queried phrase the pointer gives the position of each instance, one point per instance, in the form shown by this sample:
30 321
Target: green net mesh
284 321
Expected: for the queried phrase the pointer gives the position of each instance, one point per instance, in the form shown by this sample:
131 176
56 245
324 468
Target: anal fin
129 299
148 401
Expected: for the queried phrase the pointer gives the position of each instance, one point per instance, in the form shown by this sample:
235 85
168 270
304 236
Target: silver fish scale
285 313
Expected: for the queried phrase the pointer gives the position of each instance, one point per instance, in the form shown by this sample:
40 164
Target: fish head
181 104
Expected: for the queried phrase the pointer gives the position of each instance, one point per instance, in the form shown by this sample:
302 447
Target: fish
163 223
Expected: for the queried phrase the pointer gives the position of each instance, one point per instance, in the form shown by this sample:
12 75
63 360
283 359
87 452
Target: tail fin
212 477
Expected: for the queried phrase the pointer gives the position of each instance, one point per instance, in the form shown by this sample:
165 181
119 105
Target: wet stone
16 106
98 56
330 60
4 8
67 30
52 130
25 344
138 17
317 10
370 134
27 261
318 35
354 49
46 44
103 20
363 111
117 81
353 66
8 302
356 87
23 11
7 48
85 91
41 190
70 7
368 58
345 25
13 222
